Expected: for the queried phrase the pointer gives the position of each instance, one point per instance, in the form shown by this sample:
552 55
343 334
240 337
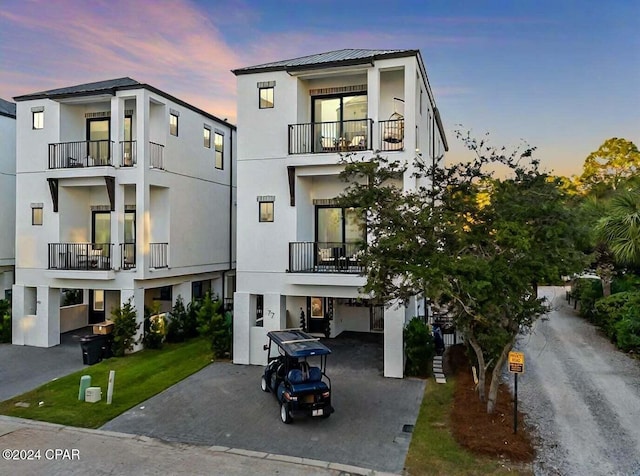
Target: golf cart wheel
263 384
285 416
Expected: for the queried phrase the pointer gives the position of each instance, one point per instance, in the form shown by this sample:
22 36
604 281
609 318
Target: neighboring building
7 195
123 192
296 117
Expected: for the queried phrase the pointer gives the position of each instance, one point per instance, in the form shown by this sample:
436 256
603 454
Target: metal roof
297 343
330 58
84 89
7 108
110 86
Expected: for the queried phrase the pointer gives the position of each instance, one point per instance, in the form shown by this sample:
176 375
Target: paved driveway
23 368
223 405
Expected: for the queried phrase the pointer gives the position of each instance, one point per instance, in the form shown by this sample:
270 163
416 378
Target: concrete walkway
56 449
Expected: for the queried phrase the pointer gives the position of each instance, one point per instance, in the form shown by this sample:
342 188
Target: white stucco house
123 192
297 250
7 195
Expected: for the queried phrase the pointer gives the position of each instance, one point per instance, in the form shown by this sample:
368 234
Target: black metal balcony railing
156 156
128 153
89 153
80 256
339 136
127 255
158 255
325 257
391 135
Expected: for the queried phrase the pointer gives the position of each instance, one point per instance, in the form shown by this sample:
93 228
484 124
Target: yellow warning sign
516 362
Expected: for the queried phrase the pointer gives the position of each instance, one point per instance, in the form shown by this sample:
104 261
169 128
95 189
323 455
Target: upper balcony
335 136
325 257
101 153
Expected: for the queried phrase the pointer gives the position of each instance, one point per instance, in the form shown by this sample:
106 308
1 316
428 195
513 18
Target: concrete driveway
23 368
223 405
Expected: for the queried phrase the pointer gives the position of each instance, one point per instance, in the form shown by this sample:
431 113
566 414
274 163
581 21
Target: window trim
260 103
206 137
177 117
33 216
273 211
217 134
33 120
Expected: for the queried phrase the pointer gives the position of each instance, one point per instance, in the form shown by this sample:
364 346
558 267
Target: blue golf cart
295 374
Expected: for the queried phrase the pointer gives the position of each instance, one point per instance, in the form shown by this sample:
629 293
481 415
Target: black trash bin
95 348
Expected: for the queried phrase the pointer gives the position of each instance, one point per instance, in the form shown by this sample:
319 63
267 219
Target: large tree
615 162
619 228
473 243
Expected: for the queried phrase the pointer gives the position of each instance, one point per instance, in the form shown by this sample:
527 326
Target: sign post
516 366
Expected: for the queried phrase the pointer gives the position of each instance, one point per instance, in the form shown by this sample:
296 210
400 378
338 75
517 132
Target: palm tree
620 227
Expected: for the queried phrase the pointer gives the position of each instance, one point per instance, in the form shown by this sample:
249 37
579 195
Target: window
207 137
266 211
266 97
38 119
173 124
259 310
36 215
219 144
421 101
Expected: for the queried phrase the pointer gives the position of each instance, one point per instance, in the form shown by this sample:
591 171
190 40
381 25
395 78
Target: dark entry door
316 312
96 306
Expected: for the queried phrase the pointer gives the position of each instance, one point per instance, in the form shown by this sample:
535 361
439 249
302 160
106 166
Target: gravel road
581 395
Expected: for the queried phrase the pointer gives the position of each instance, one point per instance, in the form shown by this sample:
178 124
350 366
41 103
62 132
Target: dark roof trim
6 114
329 64
112 91
441 128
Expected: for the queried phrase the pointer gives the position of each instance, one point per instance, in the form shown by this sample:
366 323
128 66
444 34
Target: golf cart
301 388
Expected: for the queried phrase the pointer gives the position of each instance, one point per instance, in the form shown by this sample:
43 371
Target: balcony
158 253
323 137
128 153
325 257
127 255
391 135
156 156
80 256
89 153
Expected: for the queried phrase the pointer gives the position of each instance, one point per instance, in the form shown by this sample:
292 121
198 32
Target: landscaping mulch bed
472 427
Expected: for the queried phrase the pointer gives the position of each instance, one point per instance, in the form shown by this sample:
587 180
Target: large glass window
340 225
98 137
341 122
101 231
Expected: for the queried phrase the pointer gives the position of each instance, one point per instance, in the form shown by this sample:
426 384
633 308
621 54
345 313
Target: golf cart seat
311 384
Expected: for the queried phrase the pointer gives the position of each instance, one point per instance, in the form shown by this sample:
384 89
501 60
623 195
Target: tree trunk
481 365
495 377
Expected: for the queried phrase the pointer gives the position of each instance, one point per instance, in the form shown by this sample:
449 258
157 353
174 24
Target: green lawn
433 449
138 377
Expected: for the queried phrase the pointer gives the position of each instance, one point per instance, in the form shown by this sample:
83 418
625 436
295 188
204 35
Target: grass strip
138 377
433 450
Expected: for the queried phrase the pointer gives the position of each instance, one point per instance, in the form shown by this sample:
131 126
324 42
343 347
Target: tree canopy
616 161
473 243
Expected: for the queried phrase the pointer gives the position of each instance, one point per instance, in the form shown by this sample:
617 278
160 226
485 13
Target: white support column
241 327
373 101
183 290
18 315
46 332
394 341
275 312
137 301
142 186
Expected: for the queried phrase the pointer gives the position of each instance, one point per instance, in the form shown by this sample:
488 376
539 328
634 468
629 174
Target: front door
316 307
101 233
98 141
96 306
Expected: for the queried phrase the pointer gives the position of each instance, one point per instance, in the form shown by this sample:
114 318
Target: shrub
587 291
610 310
5 321
419 347
213 325
628 328
626 282
177 322
124 328
155 328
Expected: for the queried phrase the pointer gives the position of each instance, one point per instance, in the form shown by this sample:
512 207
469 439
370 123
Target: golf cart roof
296 343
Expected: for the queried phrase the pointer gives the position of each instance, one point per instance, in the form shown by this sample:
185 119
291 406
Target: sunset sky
562 75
